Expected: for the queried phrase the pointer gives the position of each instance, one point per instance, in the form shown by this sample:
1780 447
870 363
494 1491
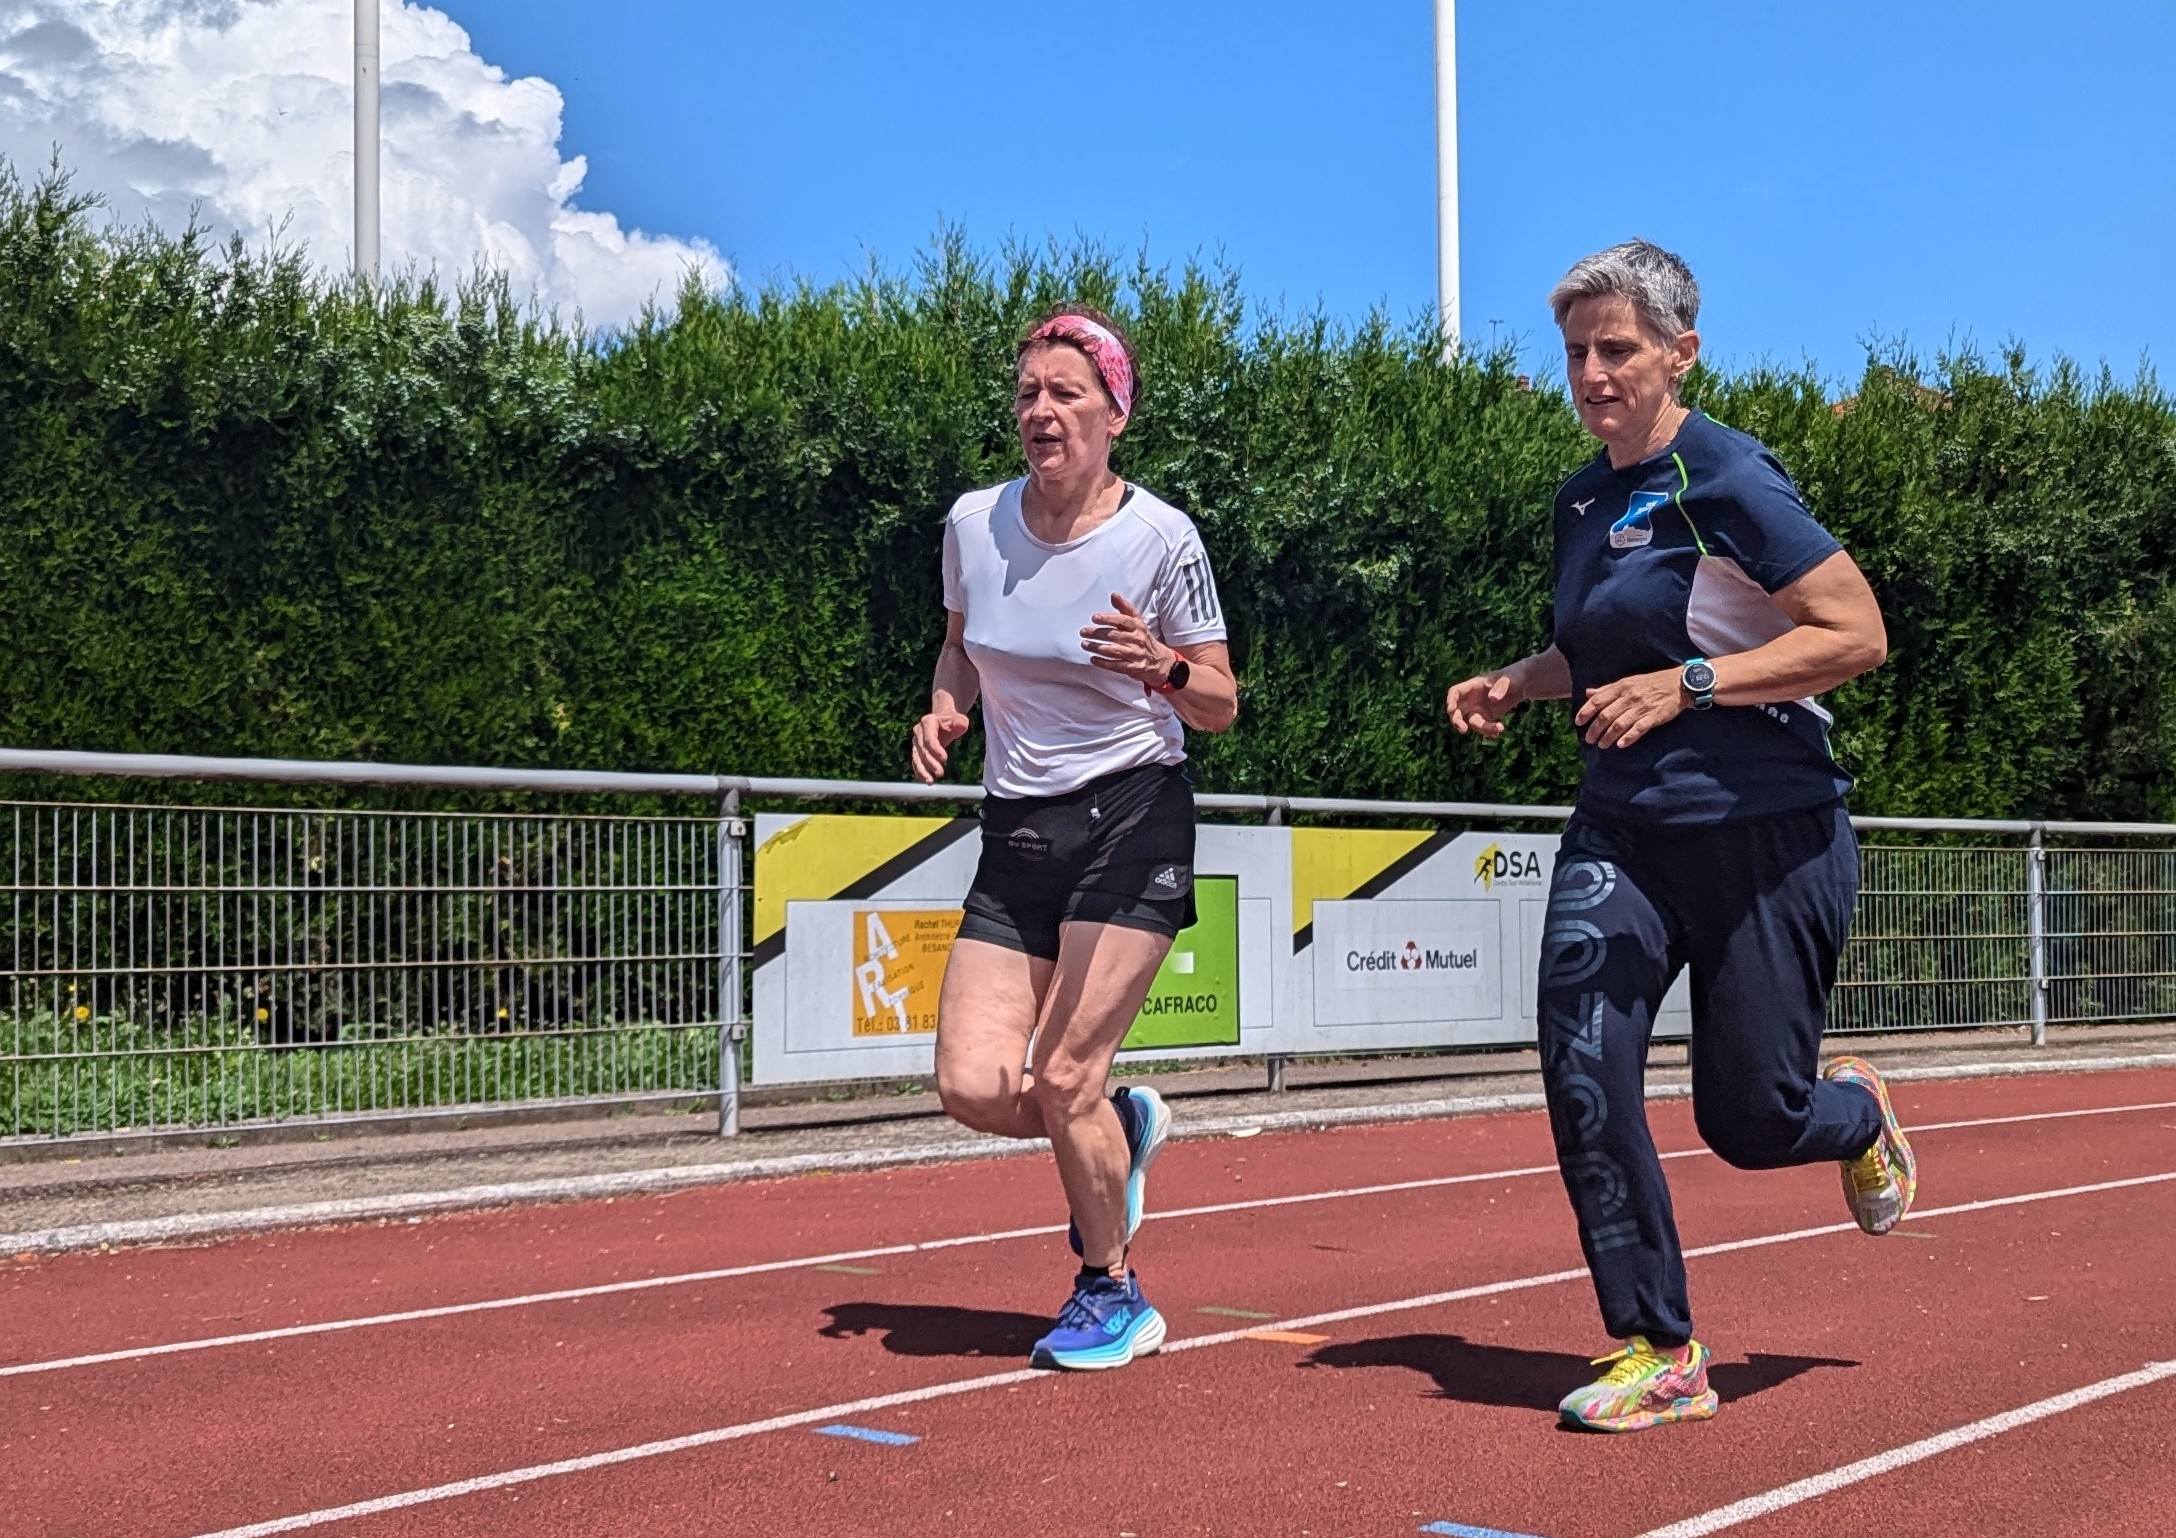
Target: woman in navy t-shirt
1700 609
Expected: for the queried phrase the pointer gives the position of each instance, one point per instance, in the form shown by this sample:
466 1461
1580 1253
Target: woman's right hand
933 734
1480 703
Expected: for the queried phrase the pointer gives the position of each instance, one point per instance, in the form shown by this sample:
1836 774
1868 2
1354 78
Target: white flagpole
1447 171
366 138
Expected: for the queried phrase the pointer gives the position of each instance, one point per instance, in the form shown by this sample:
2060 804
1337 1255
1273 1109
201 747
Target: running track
1449 1317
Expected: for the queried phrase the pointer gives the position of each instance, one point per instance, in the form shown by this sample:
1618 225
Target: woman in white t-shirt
1083 613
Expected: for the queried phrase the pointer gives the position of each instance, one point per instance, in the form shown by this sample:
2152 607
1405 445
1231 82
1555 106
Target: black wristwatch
1698 679
1175 680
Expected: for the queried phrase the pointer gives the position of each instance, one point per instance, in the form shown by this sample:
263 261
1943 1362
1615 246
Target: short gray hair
1659 284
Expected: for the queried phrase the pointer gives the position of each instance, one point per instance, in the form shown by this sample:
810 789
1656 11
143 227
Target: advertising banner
855 919
896 981
1194 1001
1423 938
1308 940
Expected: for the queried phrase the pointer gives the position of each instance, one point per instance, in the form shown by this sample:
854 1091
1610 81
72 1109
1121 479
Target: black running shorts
1119 850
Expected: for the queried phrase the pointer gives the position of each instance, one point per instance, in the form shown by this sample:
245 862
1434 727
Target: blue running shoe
1147 1121
1104 1324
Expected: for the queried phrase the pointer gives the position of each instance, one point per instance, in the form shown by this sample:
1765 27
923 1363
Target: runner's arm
1480 703
952 693
1837 633
1210 700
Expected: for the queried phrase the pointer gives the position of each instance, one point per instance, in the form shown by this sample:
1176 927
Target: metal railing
204 967
186 966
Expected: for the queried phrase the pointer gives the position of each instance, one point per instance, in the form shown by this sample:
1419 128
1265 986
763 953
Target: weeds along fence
179 967
386 960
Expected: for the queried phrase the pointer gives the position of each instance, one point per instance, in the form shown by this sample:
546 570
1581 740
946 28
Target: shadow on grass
920 1329
1473 1372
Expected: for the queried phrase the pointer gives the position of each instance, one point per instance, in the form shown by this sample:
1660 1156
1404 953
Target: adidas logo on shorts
1167 878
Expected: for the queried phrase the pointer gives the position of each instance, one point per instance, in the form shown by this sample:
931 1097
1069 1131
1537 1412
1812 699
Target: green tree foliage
246 511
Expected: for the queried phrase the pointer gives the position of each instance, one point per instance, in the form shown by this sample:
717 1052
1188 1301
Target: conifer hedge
246 511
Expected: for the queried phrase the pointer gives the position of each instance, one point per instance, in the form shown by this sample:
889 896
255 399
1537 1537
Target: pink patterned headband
1104 350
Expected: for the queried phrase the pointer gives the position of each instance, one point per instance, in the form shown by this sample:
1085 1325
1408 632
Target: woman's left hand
1120 643
1620 714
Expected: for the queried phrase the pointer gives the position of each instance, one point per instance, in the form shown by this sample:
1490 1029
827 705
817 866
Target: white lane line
727 1273
664 1181
806 1262
1747 1510
2005 1121
486 1482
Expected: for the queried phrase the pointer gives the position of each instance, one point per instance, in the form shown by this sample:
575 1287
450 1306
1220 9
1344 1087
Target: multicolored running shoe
1880 1183
1147 1121
1105 1324
1645 1386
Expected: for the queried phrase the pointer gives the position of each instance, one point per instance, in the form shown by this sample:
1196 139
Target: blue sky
1932 171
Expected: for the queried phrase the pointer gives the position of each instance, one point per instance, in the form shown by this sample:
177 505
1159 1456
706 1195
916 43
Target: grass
110 1074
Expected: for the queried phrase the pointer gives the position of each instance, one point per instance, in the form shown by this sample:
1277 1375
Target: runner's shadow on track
918 1329
1514 1379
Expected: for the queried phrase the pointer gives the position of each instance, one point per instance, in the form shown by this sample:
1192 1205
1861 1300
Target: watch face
1181 670
1699 677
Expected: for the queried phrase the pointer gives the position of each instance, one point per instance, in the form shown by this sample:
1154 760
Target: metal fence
194 967
183 966
2030 935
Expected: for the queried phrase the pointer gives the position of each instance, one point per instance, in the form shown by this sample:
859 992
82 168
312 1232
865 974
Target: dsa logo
1495 864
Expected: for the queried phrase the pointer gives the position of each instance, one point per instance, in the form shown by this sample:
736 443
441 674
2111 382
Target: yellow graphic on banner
1334 863
819 857
899 958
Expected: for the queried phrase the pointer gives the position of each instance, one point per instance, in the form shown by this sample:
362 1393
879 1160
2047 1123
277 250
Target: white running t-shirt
1054 721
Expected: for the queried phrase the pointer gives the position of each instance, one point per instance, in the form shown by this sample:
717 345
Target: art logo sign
899 959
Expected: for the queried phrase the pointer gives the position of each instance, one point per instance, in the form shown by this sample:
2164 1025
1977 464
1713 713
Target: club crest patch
1637 526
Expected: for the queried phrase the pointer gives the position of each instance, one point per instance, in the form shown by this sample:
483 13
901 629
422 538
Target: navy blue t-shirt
1675 558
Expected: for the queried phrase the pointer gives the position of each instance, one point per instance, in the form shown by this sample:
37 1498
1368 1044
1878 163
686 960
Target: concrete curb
197 1225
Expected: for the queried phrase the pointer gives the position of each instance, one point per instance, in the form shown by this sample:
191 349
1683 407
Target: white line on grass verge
673 1178
1747 1510
482 1483
875 1252
657 1182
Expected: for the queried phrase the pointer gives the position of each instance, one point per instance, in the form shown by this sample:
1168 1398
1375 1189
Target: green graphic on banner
1194 1001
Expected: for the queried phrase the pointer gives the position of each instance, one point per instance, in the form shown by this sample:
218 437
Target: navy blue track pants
1759 912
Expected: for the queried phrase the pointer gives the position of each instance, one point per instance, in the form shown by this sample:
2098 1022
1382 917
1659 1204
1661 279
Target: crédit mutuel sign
1414 960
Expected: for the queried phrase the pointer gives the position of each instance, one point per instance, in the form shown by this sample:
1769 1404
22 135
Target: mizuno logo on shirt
1581 507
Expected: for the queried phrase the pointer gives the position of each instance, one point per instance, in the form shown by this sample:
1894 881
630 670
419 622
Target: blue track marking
1461 1530
901 1439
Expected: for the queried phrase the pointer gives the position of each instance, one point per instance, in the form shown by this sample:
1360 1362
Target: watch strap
1702 698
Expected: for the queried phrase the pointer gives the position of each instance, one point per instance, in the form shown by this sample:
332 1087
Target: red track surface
1832 1348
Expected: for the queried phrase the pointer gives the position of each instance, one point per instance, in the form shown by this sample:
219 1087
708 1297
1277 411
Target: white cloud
243 110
